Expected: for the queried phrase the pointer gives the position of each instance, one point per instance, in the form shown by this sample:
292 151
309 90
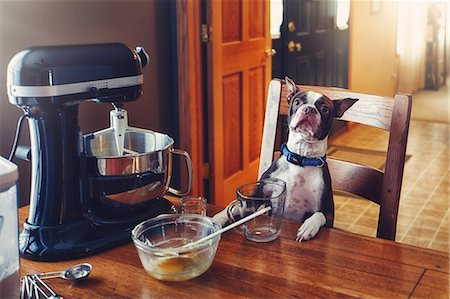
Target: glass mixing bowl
159 244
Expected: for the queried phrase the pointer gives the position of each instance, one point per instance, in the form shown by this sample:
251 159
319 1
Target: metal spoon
77 272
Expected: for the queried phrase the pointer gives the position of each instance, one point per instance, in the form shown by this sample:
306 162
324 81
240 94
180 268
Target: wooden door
315 52
238 75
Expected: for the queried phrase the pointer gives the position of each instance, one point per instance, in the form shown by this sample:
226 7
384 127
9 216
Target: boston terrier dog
302 164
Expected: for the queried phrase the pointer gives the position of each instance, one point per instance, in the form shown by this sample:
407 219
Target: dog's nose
309 110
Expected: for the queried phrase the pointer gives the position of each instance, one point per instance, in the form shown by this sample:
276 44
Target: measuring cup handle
188 161
232 209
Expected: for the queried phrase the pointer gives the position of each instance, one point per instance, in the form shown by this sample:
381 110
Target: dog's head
310 113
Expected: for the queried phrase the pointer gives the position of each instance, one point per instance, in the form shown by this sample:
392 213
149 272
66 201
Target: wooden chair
385 113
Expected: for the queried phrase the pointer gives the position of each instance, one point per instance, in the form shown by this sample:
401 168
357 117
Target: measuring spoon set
33 286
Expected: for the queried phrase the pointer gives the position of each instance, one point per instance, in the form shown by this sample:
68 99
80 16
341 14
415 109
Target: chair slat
270 126
360 180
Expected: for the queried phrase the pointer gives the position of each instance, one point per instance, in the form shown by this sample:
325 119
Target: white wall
372 49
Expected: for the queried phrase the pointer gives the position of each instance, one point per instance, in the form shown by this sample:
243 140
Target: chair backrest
390 114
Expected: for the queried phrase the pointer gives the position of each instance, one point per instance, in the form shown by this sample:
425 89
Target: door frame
190 89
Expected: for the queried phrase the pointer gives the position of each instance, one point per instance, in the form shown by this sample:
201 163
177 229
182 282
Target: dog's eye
324 109
297 102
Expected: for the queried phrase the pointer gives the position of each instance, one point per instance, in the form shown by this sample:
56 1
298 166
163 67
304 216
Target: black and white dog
302 165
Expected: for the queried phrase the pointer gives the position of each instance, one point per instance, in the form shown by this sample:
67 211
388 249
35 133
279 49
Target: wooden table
334 264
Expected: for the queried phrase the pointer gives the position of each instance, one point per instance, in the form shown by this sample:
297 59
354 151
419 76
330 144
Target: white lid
8 174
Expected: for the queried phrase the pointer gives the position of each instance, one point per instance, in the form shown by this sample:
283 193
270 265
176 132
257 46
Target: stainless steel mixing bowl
145 152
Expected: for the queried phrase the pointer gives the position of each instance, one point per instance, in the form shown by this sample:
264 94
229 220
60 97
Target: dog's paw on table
310 227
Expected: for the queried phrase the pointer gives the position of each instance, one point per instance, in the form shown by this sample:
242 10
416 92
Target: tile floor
423 218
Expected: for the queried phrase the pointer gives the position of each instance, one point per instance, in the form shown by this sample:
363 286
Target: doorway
314 42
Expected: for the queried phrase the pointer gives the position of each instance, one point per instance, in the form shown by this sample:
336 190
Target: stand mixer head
72 208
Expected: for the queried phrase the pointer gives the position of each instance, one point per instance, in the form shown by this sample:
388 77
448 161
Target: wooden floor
424 206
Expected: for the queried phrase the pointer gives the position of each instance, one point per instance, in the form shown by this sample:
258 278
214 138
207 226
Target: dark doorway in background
314 42
312 49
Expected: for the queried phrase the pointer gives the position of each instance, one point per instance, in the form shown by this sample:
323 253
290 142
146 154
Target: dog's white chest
304 186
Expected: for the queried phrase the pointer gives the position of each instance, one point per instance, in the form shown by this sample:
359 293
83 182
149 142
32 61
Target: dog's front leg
311 226
233 212
222 217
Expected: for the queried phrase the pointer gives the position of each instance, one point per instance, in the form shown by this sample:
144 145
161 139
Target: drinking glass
253 197
193 205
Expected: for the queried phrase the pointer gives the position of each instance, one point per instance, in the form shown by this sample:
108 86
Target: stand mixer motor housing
49 83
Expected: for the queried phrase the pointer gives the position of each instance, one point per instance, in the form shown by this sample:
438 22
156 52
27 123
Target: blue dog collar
300 160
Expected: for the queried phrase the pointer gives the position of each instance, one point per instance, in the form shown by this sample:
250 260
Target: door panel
296 70
238 75
231 21
256 15
320 66
321 14
301 15
232 124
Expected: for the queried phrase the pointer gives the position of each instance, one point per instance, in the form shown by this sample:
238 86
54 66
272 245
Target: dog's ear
291 87
340 106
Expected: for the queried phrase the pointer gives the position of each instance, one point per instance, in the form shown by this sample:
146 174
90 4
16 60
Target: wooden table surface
334 264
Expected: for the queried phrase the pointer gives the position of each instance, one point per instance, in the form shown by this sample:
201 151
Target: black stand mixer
89 191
